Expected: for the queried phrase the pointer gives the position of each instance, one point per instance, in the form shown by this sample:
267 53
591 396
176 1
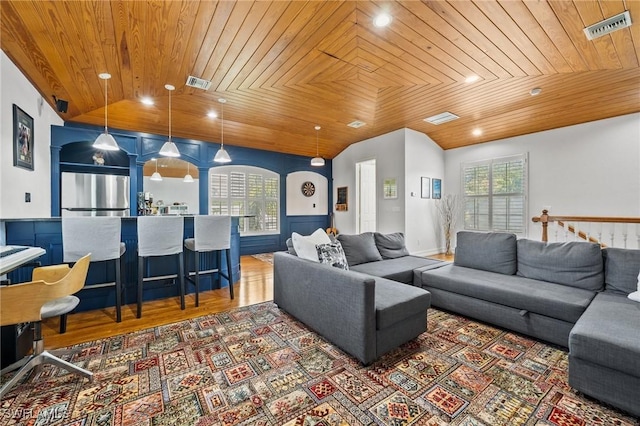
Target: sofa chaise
363 314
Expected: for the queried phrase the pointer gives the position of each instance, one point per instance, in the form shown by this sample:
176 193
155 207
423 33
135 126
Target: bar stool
99 236
160 236
211 233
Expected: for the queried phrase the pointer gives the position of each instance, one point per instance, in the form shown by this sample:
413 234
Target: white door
366 196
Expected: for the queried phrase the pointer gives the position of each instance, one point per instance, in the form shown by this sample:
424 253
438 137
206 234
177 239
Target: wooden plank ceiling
286 66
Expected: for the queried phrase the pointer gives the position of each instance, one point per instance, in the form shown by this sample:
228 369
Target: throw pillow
636 294
360 248
332 254
305 246
391 246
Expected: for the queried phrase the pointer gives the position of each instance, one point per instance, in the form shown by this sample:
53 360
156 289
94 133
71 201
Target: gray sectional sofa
571 294
367 310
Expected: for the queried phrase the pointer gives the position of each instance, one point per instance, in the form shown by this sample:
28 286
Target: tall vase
447 240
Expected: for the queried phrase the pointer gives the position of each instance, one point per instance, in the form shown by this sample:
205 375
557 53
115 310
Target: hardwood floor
255 286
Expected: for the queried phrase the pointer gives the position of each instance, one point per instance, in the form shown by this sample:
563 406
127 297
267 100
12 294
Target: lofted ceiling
287 66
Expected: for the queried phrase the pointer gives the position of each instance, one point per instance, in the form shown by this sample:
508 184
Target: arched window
246 191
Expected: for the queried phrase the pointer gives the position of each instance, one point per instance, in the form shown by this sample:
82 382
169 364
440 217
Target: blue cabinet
47 233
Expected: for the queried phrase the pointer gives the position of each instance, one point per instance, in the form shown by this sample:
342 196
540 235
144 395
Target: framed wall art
390 188
425 187
22 139
341 199
436 188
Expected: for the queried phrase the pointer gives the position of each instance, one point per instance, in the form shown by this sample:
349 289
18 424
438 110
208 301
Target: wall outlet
27 197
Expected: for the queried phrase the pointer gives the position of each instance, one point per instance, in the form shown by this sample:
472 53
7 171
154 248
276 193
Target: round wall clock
308 189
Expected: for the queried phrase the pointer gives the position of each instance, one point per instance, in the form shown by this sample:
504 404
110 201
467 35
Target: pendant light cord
170 114
317 130
222 126
105 105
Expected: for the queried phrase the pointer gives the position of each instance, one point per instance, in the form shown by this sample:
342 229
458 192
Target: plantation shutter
495 194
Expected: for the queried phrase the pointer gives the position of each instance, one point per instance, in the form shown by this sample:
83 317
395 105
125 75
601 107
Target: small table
13 257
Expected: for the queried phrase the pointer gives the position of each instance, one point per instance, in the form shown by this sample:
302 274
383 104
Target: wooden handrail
545 219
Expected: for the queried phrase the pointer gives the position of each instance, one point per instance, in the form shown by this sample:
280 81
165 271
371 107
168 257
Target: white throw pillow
305 246
636 294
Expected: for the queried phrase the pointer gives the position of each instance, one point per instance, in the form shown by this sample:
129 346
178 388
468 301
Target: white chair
100 236
160 236
24 302
210 233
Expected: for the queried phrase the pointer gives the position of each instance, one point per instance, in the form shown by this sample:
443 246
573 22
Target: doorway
366 196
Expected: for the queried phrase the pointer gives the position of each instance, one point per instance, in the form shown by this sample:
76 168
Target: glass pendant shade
188 178
169 149
105 141
317 161
222 156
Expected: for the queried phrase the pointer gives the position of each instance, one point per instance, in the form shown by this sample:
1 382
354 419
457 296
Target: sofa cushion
290 248
305 246
621 269
396 301
359 248
332 254
608 334
493 251
575 263
544 298
400 269
391 246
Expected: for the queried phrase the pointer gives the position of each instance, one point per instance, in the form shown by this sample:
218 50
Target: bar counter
47 233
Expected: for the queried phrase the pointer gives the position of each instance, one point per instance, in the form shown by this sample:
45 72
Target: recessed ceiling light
212 114
535 91
471 79
477 132
147 101
356 124
382 20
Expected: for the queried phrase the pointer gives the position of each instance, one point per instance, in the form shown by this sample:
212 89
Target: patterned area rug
258 366
265 257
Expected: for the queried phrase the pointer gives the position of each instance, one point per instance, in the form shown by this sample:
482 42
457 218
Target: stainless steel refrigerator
85 194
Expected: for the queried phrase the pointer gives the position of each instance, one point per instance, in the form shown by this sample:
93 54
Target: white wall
15 181
388 151
423 158
300 205
587 169
174 190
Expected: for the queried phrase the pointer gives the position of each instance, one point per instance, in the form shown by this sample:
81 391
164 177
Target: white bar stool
160 236
210 233
100 236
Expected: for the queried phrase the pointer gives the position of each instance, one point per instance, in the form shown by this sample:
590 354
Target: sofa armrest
337 304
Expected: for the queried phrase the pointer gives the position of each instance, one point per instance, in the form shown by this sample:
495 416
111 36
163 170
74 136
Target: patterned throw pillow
332 254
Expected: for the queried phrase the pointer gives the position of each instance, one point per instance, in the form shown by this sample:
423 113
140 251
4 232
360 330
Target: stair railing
590 228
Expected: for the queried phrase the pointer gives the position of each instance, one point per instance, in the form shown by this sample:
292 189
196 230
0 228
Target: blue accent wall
141 147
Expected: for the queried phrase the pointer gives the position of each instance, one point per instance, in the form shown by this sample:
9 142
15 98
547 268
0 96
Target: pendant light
188 178
105 141
169 149
222 156
156 176
317 161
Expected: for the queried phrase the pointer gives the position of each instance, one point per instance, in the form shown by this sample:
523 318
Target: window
495 193
247 190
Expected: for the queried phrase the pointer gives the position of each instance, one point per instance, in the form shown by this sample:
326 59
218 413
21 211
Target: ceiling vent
356 124
622 20
441 118
198 83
